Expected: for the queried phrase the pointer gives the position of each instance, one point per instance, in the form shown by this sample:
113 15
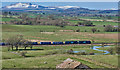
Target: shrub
98 30
23 53
110 50
91 53
110 28
85 30
83 53
70 51
78 30
93 30
117 49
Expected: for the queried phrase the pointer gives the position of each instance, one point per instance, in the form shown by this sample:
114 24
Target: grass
100 18
38 62
46 50
9 19
10 55
53 33
104 23
107 48
97 23
110 59
53 57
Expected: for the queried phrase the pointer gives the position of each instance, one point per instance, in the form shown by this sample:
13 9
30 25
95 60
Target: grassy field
54 55
54 33
99 18
9 19
97 23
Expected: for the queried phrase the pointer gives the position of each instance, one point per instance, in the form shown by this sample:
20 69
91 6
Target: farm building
69 63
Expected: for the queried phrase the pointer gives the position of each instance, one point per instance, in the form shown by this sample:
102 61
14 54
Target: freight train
57 43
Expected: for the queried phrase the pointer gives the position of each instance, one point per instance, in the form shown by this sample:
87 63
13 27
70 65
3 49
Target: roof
68 63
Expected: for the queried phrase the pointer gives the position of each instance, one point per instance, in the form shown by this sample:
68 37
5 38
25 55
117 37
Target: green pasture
38 62
52 33
46 28
104 23
9 19
53 55
101 23
110 59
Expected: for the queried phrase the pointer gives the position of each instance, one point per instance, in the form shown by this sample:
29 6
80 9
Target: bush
98 30
117 49
85 30
78 30
91 53
110 50
23 54
70 51
103 25
93 30
83 53
110 28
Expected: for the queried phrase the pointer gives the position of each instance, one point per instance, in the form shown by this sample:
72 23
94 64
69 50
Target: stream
97 48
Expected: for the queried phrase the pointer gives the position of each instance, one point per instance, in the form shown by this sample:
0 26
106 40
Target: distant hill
29 7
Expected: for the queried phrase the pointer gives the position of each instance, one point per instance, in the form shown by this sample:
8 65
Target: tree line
17 41
50 20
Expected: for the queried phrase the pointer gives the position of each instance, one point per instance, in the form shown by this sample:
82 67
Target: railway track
74 44
78 44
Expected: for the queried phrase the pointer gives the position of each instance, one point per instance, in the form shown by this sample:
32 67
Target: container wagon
2 44
57 43
45 43
71 42
84 42
34 43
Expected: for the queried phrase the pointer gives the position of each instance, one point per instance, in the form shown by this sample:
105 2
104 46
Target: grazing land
22 27
54 55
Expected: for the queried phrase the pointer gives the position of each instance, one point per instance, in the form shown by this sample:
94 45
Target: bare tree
109 28
14 41
27 43
94 30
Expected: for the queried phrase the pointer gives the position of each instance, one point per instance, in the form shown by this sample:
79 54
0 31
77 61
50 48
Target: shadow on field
29 56
28 49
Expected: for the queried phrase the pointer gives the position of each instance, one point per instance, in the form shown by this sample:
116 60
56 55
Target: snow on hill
67 7
29 5
22 5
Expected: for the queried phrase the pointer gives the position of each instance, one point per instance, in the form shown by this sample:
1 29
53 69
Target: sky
60 0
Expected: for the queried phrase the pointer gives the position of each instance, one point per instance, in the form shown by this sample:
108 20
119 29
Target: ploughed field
50 56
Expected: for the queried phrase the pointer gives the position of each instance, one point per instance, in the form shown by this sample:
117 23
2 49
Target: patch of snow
67 7
22 5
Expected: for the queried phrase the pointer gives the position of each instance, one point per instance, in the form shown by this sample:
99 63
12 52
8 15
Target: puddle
79 51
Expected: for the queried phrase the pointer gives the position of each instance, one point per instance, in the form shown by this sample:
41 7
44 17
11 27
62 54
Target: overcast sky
60 0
